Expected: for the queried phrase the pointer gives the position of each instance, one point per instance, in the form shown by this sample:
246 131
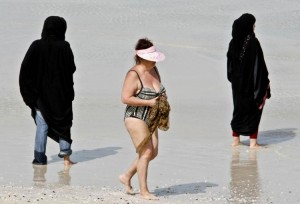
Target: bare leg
236 141
138 130
126 177
142 169
254 144
253 140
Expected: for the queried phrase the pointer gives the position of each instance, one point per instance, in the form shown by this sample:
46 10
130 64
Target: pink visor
150 54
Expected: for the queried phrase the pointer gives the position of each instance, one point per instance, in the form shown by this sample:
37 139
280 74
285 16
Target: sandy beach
196 163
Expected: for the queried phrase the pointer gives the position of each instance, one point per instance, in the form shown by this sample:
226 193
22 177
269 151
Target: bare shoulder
131 82
131 77
133 72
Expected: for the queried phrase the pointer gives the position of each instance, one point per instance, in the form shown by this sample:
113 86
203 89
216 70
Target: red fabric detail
234 134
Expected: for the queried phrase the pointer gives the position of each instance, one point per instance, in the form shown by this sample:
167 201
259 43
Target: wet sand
196 163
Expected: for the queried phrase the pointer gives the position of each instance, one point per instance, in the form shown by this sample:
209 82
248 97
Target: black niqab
46 78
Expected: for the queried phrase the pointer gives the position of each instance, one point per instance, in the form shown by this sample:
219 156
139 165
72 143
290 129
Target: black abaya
46 78
248 74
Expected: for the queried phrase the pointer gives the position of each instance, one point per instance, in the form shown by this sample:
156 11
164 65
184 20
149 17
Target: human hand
152 102
164 95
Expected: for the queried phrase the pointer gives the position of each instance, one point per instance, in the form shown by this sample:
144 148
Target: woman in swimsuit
141 89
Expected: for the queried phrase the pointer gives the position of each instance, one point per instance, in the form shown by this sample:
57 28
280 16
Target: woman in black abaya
248 74
46 85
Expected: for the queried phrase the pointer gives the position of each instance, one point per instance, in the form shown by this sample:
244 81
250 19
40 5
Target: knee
147 155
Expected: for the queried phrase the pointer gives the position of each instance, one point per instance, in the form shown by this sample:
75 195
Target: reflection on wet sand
39 175
245 182
64 177
39 172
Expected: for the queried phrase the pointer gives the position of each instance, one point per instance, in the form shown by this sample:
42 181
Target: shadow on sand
189 188
276 136
87 155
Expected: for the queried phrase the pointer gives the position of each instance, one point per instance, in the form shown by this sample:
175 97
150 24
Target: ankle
145 192
67 161
236 139
253 142
67 158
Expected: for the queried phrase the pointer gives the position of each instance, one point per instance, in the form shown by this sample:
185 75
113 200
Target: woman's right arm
131 86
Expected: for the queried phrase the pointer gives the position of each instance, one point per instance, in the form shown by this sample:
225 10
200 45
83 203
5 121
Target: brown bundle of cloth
158 118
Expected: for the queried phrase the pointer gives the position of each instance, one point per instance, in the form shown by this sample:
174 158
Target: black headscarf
241 28
54 26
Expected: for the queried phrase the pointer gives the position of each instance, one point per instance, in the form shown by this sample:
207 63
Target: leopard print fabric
158 118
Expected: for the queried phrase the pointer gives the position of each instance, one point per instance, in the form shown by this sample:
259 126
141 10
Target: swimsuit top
141 112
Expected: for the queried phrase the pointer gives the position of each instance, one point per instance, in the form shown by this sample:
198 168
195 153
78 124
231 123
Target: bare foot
67 161
236 141
255 146
235 144
149 196
126 181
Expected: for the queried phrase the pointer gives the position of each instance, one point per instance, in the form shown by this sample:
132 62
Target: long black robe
46 79
250 84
